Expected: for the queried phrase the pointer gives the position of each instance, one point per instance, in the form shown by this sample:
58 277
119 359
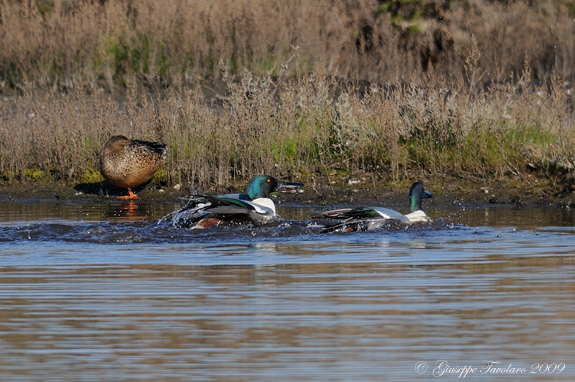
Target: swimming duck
128 163
203 211
367 218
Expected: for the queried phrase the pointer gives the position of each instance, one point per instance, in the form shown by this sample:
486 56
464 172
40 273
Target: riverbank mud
527 189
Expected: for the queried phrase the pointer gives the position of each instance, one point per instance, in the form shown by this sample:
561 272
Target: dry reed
438 86
102 44
298 127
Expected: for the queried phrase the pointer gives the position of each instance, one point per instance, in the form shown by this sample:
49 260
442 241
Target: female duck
128 163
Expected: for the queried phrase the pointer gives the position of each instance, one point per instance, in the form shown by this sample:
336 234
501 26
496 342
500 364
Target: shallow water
97 290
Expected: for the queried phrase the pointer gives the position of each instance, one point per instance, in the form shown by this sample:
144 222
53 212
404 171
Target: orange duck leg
130 195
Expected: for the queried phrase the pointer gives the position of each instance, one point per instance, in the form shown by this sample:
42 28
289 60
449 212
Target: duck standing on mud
368 218
128 163
203 211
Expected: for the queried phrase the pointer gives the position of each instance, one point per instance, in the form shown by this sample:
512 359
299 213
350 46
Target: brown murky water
98 291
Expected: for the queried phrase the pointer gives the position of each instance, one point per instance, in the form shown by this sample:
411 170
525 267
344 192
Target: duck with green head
368 218
203 211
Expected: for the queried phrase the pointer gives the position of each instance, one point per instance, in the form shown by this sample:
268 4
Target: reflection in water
98 210
130 212
12 213
104 297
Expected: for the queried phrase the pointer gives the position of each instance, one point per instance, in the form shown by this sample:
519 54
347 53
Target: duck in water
203 211
368 218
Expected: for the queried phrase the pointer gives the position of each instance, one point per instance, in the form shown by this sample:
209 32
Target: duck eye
268 180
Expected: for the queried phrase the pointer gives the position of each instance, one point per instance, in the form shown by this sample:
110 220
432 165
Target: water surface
96 290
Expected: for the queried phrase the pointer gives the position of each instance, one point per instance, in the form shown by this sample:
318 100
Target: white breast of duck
264 211
264 206
418 217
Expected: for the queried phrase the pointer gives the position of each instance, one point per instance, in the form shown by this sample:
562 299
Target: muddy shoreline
527 189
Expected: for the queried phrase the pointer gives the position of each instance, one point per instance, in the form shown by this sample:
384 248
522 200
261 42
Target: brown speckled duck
127 163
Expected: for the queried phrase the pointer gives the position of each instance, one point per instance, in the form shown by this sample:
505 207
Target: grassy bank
369 90
302 127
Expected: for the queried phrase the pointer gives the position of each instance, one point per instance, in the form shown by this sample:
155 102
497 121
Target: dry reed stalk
296 127
66 44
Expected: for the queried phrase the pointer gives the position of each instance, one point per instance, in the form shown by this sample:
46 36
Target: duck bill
427 194
289 187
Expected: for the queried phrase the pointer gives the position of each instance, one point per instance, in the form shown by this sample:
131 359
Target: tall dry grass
310 125
349 87
101 44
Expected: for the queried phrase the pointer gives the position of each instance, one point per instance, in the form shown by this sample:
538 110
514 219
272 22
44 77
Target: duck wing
152 148
332 214
235 196
233 205
199 207
353 225
388 214
363 213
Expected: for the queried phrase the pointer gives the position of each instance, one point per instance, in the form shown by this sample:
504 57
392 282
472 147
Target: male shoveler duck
203 211
367 218
128 163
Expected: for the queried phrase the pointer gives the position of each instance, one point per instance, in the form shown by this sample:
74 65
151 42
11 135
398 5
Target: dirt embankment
526 189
